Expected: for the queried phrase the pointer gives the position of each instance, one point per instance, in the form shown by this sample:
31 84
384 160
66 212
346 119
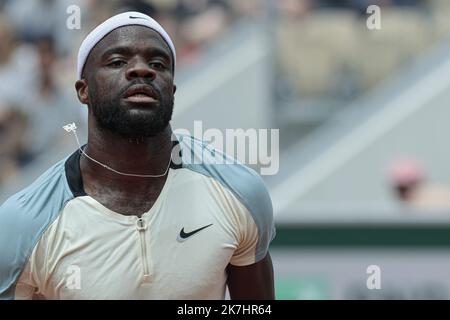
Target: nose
140 69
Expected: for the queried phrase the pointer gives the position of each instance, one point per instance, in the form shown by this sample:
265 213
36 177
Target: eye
157 65
117 63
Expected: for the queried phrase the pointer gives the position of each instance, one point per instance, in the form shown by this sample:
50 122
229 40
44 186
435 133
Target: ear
81 87
174 89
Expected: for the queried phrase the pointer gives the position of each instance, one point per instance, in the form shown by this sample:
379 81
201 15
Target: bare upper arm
254 281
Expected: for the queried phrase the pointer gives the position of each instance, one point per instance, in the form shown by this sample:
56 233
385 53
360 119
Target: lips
140 94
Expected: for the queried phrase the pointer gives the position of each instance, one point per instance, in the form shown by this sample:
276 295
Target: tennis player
137 212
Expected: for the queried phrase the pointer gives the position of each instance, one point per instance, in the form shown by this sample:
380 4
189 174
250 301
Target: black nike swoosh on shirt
184 235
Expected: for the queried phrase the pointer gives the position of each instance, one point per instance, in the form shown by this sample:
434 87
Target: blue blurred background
363 115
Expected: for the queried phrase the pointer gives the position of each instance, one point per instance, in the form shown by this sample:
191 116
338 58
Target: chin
141 131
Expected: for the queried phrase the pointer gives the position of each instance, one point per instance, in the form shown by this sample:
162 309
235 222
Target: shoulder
243 182
42 193
24 217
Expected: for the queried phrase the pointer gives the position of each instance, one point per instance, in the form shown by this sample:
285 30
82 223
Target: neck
144 156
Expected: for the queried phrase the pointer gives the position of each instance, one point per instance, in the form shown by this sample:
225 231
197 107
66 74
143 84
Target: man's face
130 86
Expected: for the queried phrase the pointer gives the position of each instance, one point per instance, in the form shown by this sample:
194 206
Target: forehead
136 37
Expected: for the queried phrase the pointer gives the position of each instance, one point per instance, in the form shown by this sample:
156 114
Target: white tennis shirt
57 242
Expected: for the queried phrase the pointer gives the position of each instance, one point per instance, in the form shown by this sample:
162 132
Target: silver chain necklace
73 128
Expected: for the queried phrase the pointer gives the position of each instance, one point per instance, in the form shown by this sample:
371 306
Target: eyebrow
154 51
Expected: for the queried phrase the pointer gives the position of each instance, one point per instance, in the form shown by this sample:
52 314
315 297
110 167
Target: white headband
120 20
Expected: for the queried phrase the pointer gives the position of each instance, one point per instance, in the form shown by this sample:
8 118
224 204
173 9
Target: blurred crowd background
361 112
321 56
